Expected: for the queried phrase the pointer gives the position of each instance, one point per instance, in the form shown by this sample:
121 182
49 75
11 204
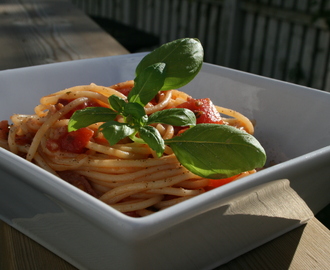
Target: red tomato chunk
204 110
125 90
4 129
89 103
214 183
74 142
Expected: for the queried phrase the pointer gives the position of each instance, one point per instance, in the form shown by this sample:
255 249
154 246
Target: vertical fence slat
183 20
212 37
164 35
282 49
202 24
256 62
307 55
192 18
276 3
289 4
149 9
320 66
230 27
293 67
174 20
247 44
270 48
326 75
156 23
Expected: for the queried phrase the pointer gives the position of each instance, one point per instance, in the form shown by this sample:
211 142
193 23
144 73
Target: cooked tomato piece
75 141
204 110
123 87
132 214
4 129
78 181
214 183
125 90
89 103
24 139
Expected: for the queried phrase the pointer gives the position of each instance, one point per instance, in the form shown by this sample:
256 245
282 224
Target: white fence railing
282 39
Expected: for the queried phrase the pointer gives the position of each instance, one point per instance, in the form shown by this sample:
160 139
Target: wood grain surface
307 247
35 32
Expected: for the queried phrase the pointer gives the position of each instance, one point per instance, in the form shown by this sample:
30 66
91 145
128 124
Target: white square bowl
292 125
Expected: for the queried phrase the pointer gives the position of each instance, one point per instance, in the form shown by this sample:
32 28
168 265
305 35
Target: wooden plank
276 3
212 38
202 26
270 48
193 18
302 5
248 40
164 32
140 15
20 252
103 8
289 251
318 42
231 17
175 18
283 42
158 13
287 13
298 249
117 10
149 11
288 4
294 71
326 78
55 31
183 19
307 58
258 46
228 24
321 59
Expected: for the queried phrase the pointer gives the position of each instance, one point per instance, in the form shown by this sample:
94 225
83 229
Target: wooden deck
42 32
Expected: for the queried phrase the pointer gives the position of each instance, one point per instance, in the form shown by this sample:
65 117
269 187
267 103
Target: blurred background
287 40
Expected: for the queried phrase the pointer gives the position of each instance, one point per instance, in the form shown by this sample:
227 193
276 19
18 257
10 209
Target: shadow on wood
133 39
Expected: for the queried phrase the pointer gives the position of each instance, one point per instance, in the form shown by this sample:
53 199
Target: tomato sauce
74 141
89 103
78 181
204 110
214 183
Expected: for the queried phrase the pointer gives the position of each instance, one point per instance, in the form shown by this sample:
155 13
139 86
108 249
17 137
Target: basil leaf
153 138
135 114
183 59
90 115
147 84
217 151
114 131
175 117
117 103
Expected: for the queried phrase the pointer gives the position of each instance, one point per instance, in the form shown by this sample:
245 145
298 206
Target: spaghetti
128 176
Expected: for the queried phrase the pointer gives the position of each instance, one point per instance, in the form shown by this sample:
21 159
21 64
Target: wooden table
34 32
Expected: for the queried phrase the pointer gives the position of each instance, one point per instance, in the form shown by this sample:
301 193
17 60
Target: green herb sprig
208 150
